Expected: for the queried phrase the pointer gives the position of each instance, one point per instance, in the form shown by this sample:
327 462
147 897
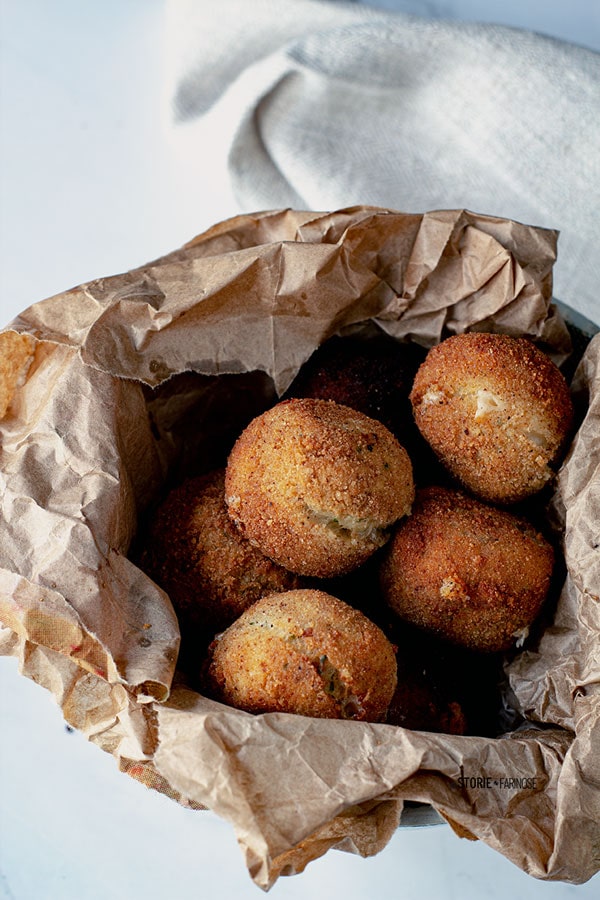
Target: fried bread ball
317 486
194 551
496 411
16 355
467 572
304 652
373 375
417 706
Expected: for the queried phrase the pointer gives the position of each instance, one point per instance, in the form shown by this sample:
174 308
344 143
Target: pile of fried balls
369 536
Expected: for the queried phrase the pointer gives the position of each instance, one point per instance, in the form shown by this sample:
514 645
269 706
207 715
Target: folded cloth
331 104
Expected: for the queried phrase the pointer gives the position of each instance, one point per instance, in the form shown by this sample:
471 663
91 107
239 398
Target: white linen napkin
323 105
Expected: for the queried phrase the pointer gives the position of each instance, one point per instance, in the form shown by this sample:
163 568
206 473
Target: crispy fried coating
16 355
496 411
317 486
304 652
467 572
195 552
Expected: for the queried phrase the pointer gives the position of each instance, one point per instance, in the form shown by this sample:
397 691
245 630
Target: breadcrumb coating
317 486
304 652
467 572
195 552
496 411
16 355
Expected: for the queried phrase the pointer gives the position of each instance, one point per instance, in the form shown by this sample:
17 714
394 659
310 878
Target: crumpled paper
141 377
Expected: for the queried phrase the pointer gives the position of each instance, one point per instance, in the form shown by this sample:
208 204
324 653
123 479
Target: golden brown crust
16 355
317 485
467 572
496 411
195 552
304 652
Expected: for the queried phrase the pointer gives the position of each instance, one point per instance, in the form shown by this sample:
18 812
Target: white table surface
91 185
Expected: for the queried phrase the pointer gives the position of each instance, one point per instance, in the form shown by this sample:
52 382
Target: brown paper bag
137 374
